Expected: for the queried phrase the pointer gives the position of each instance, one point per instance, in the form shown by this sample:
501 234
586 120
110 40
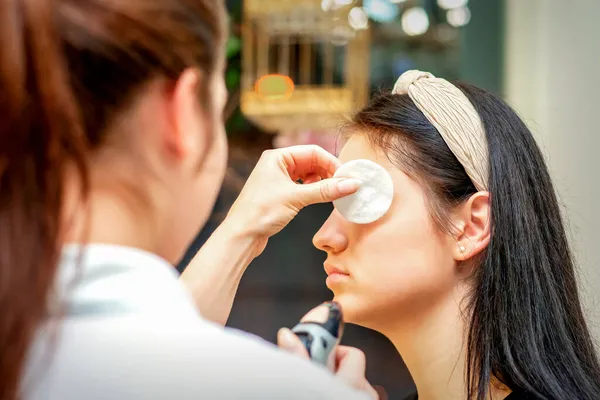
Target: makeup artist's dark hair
527 328
68 68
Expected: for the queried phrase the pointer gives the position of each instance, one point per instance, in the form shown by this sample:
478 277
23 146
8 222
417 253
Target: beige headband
455 118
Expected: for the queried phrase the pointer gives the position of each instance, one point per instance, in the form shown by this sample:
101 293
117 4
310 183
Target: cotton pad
374 197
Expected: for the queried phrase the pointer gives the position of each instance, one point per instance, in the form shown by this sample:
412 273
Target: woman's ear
473 222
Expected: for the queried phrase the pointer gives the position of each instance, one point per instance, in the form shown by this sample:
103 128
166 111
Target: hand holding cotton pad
374 196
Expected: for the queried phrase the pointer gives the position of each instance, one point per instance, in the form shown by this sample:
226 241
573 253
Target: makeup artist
112 154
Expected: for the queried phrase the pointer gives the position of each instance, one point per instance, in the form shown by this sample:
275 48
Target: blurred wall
551 77
482 41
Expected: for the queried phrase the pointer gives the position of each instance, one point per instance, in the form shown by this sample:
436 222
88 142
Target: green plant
235 119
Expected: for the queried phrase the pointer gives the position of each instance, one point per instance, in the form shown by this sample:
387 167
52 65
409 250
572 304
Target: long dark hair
526 329
67 69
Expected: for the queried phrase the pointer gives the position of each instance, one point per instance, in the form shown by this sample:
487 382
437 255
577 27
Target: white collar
100 278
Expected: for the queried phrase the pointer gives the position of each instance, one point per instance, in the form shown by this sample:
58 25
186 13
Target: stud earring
462 249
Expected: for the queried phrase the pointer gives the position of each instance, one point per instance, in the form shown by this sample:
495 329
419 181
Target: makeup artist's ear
473 221
186 139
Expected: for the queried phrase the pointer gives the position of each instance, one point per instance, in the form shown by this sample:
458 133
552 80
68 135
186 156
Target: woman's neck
433 346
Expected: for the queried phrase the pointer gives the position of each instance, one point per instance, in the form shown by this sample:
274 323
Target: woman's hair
526 327
67 69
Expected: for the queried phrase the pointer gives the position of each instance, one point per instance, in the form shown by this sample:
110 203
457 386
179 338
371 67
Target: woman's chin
359 311
353 313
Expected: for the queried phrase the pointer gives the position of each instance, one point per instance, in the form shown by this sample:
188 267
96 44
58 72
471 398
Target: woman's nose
331 238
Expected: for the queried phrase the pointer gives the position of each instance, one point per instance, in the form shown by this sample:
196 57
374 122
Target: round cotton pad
374 197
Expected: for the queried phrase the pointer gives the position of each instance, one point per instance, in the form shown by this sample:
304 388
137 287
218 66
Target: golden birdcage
303 67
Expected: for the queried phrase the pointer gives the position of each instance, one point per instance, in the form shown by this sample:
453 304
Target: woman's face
395 267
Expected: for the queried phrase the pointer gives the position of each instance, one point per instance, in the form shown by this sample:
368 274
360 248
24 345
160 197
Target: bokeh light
358 19
274 87
458 17
415 21
381 10
450 4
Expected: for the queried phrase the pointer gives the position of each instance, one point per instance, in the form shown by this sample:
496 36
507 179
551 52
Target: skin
406 278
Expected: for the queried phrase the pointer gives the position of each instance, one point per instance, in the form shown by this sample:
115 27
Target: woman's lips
332 270
335 275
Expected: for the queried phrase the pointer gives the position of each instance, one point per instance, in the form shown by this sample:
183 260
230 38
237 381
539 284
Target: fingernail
285 337
348 185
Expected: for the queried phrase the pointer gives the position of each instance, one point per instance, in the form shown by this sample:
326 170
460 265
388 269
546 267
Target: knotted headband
455 118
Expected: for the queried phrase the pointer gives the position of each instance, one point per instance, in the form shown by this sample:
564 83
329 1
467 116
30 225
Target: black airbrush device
321 331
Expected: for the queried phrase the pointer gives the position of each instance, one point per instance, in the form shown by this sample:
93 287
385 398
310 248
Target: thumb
326 190
288 341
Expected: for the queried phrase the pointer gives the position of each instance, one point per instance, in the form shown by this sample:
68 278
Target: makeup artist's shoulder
279 374
187 361
251 366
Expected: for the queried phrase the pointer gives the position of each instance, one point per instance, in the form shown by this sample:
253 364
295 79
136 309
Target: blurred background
297 68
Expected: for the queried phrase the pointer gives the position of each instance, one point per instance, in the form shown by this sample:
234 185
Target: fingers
380 393
306 159
304 175
326 190
351 367
288 341
315 167
376 394
312 178
351 363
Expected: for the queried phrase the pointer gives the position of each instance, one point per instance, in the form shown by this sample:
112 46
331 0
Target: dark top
516 395
519 395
